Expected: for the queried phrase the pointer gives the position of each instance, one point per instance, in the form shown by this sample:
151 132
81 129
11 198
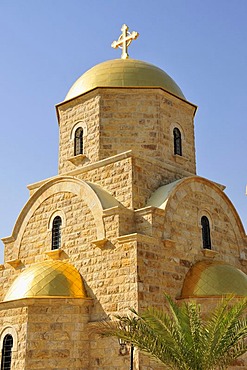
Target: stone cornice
106 161
150 209
86 168
116 211
93 92
136 237
24 302
15 263
209 253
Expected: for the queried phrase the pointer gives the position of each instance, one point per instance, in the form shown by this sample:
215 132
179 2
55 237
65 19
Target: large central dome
124 73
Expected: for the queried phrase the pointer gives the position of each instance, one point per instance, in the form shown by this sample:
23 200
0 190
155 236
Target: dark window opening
7 352
177 141
206 239
78 141
56 232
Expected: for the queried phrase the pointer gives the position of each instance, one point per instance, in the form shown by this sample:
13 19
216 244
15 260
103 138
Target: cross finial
125 40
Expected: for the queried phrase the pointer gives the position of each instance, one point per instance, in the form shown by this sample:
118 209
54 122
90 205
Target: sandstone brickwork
131 225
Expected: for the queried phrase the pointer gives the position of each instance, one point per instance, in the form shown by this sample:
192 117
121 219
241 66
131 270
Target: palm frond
181 338
225 330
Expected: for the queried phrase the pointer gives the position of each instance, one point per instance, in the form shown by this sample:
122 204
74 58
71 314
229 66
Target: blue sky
47 44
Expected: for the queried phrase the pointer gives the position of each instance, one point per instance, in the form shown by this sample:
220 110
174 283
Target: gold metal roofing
213 279
124 73
47 279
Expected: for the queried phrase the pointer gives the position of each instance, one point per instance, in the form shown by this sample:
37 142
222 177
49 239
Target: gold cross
124 41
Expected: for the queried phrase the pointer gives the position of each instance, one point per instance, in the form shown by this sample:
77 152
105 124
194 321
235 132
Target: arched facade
9 346
63 185
226 230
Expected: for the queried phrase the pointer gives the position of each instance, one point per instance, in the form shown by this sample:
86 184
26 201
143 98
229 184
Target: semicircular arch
56 185
8 329
170 196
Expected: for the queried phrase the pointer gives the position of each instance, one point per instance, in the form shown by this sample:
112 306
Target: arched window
177 141
78 141
56 232
206 239
7 352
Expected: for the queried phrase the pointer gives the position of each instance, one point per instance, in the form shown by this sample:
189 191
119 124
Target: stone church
125 220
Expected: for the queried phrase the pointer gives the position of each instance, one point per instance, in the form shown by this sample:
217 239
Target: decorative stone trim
179 159
136 237
149 209
78 124
46 301
243 261
168 243
57 185
113 211
77 159
8 239
222 187
209 253
105 162
14 263
59 213
54 254
9 329
1 267
100 243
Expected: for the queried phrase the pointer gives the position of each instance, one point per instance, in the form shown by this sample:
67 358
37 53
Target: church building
125 220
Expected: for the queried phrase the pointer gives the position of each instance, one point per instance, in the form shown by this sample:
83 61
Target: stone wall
193 199
57 336
117 120
142 120
86 111
13 321
115 177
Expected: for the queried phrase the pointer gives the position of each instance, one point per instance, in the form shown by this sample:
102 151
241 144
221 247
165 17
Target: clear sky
46 45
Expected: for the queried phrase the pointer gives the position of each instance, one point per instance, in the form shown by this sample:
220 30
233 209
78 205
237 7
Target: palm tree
181 338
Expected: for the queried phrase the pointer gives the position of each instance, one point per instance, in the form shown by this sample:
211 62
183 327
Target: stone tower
125 219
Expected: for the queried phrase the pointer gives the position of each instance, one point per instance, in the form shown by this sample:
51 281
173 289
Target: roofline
122 87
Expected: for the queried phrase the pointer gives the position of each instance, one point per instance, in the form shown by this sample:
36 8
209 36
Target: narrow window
206 239
177 141
56 232
7 352
78 141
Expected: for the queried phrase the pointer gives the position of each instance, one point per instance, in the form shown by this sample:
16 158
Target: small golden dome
214 279
47 279
124 73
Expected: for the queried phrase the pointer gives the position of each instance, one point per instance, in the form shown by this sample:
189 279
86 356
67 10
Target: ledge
77 159
209 253
46 301
86 168
149 209
54 254
179 158
142 238
106 161
116 210
15 263
100 243
168 243
243 261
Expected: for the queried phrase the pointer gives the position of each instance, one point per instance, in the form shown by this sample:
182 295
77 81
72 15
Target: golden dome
47 279
124 73
214 279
